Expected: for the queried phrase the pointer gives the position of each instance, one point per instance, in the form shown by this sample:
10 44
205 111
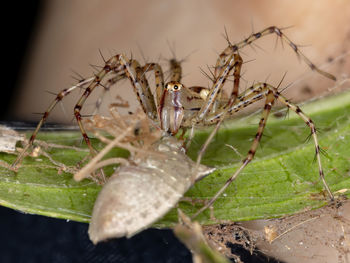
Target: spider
176 106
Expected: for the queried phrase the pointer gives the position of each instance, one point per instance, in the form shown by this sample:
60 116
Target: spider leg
58 98
212 99
176 70
255 93
106 87
136 74
234 61
312 127
234 94
159 78
115 64
141 87
158 75
268 104
159 81
94 81
222 60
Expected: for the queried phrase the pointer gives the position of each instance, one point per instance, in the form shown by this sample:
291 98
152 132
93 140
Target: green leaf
282 179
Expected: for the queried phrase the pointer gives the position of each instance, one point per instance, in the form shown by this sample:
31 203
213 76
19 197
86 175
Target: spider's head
173 86
170 108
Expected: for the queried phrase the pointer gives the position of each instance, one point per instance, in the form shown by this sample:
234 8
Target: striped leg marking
255 93
116 65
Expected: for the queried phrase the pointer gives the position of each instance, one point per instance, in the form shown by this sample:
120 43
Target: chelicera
176 106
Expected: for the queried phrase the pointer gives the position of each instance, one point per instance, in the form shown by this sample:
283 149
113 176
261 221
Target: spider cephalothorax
177 103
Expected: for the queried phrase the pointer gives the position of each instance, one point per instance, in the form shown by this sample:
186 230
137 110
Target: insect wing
137 196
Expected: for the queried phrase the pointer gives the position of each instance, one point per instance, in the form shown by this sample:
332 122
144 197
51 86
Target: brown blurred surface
71 33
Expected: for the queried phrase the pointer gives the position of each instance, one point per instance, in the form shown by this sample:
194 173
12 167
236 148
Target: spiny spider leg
309 123
223 64
58 98
251 95
132 70
115 64
176 70
158 74
268 104
159 78
106 87
271 94
221 61
212 99
234 94
234 61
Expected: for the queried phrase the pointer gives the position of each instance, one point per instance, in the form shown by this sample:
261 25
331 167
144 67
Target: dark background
32 238
18 22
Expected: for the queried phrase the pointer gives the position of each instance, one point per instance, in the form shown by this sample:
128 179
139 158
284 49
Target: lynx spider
176 106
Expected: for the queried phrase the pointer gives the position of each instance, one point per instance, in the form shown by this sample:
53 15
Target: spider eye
176 87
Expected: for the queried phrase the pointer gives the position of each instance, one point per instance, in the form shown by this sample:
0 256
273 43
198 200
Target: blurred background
64 37
45 42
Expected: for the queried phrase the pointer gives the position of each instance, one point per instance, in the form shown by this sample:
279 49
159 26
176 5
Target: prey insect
146 185
176 106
